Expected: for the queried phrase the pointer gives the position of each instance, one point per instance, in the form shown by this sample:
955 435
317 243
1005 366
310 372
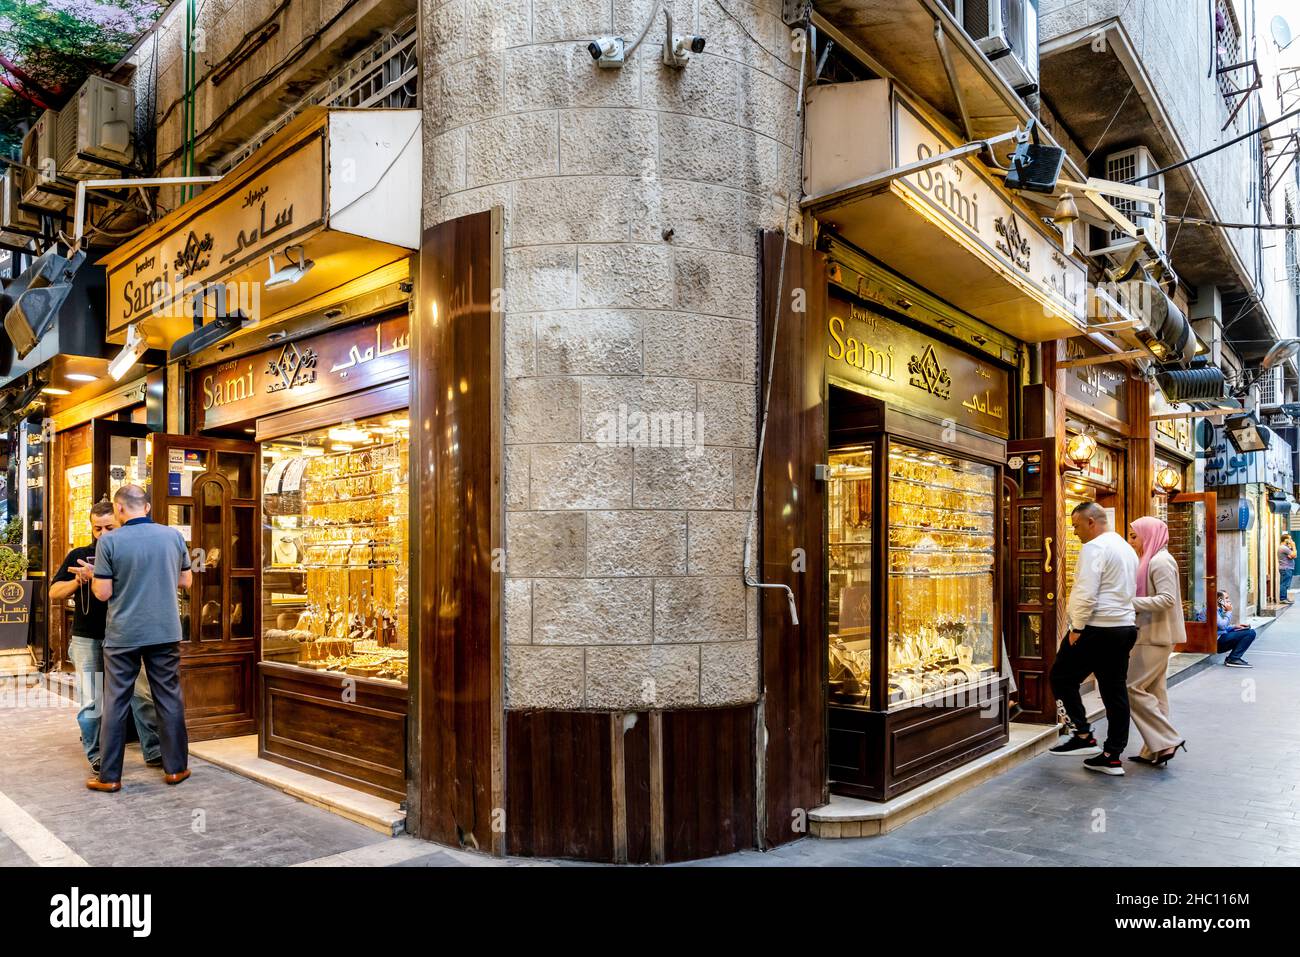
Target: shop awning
952 228
339 189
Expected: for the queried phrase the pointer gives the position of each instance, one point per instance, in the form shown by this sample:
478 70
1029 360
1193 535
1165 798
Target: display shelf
942 508
945 488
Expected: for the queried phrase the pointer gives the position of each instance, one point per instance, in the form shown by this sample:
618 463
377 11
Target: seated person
1234 639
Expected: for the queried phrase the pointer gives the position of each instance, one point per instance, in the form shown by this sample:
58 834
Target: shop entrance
207 488
1193 541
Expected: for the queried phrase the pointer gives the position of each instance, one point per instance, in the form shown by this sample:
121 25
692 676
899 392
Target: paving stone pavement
1232 799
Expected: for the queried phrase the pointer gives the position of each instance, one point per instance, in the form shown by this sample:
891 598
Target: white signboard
970 207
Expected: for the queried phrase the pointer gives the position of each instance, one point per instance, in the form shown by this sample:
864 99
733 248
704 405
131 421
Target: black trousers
1102 652
162 665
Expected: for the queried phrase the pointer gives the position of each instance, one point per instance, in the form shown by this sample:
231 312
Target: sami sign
976 211
913 371
319 367
278 204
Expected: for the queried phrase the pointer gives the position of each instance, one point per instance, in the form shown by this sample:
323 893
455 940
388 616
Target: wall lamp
290 274
1078 452
1167 480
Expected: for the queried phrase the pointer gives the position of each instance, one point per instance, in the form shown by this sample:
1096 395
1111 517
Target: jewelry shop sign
909 369
277 204
976 212
318 367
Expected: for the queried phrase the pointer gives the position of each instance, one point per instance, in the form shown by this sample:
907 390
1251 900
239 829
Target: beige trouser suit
1160 627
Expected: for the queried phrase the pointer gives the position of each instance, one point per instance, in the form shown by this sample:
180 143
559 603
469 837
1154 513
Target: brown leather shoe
178 777
109 787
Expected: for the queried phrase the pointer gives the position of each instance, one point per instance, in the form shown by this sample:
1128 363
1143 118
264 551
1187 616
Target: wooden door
209 489
1033 598
1193 541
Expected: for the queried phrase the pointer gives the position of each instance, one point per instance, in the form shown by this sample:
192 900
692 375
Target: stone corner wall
632 199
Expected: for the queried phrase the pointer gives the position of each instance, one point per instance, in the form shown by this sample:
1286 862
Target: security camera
607 51
677 47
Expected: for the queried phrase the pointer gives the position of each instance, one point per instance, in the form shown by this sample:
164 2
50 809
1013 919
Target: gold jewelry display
339 523
940 566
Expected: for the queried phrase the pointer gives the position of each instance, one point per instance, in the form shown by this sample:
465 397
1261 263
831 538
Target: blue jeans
1284 584
88 664
1235 643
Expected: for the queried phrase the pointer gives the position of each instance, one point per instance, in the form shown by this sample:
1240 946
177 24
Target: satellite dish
1281 32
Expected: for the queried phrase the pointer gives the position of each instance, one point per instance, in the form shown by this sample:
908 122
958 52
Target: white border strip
34 839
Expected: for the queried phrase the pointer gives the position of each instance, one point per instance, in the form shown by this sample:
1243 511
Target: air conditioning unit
1006 31
94 130
39 180
1270 387
1121 167
16 224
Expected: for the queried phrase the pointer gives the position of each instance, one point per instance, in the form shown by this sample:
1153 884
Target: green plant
12 534
13 566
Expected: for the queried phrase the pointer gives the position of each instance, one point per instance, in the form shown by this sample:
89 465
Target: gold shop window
335 575
849 493
941 573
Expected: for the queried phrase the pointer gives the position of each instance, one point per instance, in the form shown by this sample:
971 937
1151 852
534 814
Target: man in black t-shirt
86 646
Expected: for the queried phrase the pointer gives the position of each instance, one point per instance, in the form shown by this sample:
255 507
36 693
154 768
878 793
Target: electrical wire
752 39
1214 149
1101 139
750 579
650 21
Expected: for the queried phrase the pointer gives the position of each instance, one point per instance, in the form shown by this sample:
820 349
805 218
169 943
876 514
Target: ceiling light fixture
80 377
52 390
290 274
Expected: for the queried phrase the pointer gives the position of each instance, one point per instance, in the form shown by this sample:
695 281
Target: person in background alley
1285 567
138 570
86 645
1159 606
1102 633
1234 639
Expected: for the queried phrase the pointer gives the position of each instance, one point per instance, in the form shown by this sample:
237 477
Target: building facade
525 289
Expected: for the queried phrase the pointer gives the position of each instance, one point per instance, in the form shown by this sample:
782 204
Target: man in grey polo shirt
138 570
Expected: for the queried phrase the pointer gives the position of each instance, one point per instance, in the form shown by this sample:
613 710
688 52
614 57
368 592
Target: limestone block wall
632 202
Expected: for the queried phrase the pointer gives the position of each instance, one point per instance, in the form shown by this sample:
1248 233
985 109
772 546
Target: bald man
1103 630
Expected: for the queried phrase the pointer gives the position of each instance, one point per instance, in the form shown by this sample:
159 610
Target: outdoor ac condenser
40 177
16 224
1006 31
94 131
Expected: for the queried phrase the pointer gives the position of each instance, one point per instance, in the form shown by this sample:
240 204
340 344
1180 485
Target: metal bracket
1101 360
794 11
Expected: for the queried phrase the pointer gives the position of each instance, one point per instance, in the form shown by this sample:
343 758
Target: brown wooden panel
792 514
637 790
1029 686
308 726
559 800
377 401
709 783
455 502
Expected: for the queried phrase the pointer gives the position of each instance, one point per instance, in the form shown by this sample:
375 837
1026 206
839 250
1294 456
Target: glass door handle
1047 544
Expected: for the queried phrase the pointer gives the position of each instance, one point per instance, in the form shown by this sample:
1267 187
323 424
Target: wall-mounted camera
678 49
607 51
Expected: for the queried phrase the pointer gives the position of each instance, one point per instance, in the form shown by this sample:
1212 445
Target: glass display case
78 497
941 573
849 501
940 582
335 575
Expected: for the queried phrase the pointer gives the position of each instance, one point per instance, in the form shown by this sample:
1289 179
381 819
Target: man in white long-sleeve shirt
1103 630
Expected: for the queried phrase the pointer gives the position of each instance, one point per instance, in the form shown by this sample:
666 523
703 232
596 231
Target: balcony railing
385 75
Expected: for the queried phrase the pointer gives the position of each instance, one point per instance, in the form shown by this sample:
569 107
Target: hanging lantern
1066 215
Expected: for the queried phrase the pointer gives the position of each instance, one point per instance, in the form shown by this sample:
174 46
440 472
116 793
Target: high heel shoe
1163 759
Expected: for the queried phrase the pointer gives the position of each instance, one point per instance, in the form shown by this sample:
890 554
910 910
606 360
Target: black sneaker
94 766
154 762
1105 763
1077 747
1238 663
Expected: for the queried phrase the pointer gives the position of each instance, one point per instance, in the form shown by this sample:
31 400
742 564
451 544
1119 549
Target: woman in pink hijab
1159 605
